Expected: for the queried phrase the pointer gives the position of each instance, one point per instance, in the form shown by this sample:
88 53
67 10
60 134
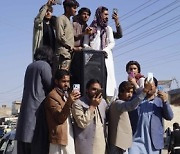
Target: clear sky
151 35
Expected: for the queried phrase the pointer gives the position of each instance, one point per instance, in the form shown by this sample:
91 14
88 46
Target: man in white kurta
102 39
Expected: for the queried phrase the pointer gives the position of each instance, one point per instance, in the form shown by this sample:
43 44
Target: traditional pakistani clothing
59 123
103 39
89 127
64 149
43 31
77 60
96 45
142 143
147 126
64 41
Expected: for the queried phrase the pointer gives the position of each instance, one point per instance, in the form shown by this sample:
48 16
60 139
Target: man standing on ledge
44 24
65 35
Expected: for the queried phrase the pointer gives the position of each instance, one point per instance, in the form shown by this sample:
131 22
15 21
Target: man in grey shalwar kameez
37 84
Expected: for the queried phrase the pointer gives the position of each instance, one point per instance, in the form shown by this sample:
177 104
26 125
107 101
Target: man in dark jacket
174 145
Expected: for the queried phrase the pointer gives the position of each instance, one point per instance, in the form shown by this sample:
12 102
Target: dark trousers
76 68
177 151
23 147
115 150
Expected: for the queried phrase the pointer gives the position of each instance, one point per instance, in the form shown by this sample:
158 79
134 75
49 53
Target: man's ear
86 91
119 95
56 82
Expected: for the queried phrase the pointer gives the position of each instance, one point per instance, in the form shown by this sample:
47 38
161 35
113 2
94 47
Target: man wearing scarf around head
102 39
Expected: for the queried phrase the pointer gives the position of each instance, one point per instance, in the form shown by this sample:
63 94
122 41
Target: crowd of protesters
57 119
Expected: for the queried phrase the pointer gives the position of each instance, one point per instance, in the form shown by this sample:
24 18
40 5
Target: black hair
154 80
104 9
44 53
84 9
133 63
92 81
70 3
176 125
125 86
53 21
50 8
60 73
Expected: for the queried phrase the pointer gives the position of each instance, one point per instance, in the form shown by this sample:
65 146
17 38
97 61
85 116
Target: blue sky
151 31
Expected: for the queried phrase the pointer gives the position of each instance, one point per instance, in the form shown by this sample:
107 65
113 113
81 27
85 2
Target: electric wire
148 32
147 43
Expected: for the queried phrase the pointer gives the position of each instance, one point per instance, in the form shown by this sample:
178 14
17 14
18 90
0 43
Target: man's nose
67 84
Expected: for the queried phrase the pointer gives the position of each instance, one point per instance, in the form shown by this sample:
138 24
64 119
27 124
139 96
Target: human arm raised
42 12
118 34
133 103
83 116
167 110
58 109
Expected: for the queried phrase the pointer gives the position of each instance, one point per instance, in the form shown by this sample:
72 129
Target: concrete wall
5 112
176 111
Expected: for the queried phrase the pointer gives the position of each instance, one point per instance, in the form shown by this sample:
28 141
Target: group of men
68 39
56 119
87 124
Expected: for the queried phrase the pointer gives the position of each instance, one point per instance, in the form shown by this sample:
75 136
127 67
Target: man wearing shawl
102 39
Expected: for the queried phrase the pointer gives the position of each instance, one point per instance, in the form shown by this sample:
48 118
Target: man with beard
58 108
102 39
147 122
44 23
80 26
65 35
89 126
